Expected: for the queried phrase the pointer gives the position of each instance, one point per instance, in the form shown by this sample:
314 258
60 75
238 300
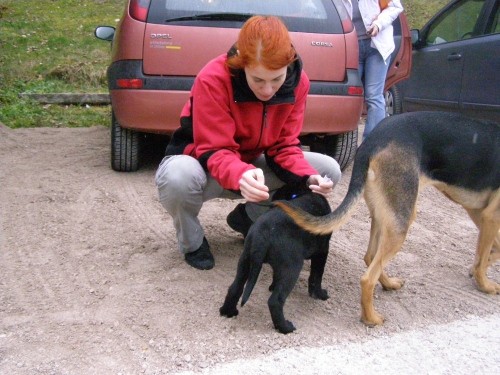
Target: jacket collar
285 94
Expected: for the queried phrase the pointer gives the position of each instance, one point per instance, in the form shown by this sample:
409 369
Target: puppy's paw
319 293
286 327
228 312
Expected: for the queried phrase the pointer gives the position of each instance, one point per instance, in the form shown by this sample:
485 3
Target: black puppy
275 239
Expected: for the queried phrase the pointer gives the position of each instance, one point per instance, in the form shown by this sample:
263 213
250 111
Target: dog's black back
445 148
275 239
450 147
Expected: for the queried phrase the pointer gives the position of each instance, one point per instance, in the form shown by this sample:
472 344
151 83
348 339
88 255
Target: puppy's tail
256 262
328 223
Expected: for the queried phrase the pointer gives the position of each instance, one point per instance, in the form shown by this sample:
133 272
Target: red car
159 46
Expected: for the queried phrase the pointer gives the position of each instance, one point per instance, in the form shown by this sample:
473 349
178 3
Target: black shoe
202 258
238 220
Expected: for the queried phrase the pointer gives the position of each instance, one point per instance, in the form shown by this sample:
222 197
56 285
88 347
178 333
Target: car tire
393 102
342 147
125 147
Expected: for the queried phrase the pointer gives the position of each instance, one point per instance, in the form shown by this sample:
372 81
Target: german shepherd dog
275 239
459 156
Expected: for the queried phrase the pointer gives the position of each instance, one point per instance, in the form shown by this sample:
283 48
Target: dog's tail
328 223
256 261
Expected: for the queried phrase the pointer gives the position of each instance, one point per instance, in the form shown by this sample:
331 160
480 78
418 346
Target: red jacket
225 126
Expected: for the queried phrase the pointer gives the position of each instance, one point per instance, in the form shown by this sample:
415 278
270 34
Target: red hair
263 40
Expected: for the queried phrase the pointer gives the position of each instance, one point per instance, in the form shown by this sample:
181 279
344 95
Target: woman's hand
372 30
320 185
252 186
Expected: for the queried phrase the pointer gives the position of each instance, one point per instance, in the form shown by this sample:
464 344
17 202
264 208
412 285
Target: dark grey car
456 62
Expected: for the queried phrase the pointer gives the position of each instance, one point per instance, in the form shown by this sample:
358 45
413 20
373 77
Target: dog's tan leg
487 251
368 314
485 256
372 244
388 283
395 283
386 243
495 252
390 201
475 215
390 193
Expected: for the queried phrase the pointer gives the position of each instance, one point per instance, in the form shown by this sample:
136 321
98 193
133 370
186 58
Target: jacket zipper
263 124
264 115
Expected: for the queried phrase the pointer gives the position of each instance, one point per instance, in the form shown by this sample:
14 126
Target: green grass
48 46
420 11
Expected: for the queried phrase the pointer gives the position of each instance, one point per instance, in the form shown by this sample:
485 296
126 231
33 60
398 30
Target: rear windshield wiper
213 17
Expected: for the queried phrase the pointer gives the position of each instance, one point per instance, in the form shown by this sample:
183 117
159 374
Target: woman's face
263 82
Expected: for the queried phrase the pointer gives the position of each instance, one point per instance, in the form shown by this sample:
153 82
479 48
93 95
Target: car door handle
454 56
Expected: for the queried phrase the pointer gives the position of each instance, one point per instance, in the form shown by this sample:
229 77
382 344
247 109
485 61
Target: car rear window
311 16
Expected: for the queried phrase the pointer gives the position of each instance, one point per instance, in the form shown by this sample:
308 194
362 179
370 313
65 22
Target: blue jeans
372 71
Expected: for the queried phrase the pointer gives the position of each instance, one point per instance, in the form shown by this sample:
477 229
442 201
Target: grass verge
49 47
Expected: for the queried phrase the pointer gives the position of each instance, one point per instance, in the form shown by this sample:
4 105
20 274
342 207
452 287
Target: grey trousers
183 186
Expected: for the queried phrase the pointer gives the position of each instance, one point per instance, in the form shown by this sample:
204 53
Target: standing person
373 22
239 137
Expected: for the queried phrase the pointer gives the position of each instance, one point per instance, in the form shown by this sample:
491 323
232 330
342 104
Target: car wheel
125 147
393 104
342 147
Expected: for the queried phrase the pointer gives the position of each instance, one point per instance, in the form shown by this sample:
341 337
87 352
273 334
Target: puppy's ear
290 191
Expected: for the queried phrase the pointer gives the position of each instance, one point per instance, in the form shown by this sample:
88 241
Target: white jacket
370 12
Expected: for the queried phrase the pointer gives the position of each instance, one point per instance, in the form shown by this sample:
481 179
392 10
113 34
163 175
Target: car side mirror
416 40
415 36
105 33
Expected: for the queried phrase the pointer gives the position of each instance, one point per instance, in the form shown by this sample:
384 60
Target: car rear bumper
156 106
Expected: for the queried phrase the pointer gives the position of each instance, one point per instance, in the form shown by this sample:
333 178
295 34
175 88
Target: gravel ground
462 347
91 281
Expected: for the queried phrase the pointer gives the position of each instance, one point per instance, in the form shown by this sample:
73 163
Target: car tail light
130 83
347 24
355 90
138 9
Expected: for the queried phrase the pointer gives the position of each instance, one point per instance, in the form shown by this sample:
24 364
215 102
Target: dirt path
91 281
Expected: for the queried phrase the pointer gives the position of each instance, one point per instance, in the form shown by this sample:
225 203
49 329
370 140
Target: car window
303 8
456 24
494 27
312 16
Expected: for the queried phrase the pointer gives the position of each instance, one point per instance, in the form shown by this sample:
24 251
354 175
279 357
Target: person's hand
252 186
372 30
320 185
